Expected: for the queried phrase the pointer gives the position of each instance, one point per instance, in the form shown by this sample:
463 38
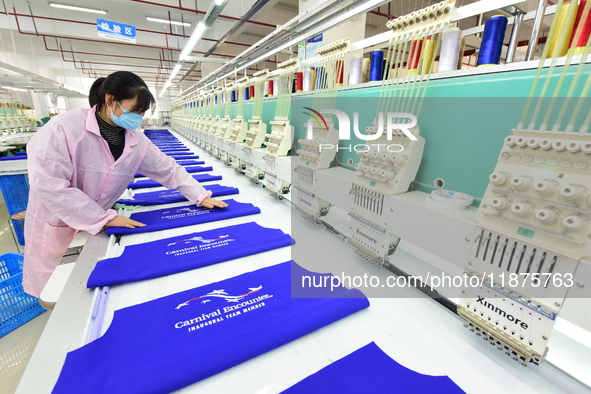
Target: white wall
75 103
39 105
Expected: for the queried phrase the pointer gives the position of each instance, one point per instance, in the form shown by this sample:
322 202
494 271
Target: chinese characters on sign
115 31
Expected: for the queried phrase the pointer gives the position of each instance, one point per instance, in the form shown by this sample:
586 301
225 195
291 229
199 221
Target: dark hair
123 85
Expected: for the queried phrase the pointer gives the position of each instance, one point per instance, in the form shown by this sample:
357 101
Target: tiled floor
16 347
7 241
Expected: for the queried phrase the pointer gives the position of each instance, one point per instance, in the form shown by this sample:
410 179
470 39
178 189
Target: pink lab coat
74 181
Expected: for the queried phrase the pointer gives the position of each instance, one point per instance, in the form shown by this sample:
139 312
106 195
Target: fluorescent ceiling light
166 85
167 21
220 2
193 40
10 71
175 71
13 88
71 7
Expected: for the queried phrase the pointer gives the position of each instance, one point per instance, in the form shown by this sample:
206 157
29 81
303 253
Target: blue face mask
128 120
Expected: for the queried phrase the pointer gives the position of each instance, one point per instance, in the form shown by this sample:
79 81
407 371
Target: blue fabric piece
172 145
167 148
184 157
19 157
20 153
150 183
172 196
186 252
178 153
186 215
188 169
169 343
370 370
170 150
189 162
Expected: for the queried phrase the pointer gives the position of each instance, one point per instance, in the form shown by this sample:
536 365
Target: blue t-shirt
150 183
186 252
184 157
179 149
188 169
370 370
189 162
169 343
172 196
187 215
15 157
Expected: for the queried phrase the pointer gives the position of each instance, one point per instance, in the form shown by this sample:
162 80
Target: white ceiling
63 45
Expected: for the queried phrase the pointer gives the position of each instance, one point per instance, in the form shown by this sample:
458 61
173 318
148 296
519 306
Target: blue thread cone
492 40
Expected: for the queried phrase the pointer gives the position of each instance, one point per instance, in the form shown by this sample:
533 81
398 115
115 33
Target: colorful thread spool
271 87
559 40
415 56
320 78
246 93
233 96
355 70
582 29
365 66
427 54
377 65
461 52
492 41
307 85
450 47
252 92
340 72
299 81
266 89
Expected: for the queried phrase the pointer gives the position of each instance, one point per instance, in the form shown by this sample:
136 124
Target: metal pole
535 33
514 37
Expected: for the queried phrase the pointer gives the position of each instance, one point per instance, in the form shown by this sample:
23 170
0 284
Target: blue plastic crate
16 306
15 189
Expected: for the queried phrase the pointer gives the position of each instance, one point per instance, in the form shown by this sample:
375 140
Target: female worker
81 162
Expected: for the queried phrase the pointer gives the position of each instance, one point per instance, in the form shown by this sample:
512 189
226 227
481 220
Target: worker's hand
123 221
210 203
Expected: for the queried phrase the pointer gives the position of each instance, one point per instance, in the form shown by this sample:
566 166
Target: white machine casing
310 159
256 132
279 141
387 171
534 219
540 191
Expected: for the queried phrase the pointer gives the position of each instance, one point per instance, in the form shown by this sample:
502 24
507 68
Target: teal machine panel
464 120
